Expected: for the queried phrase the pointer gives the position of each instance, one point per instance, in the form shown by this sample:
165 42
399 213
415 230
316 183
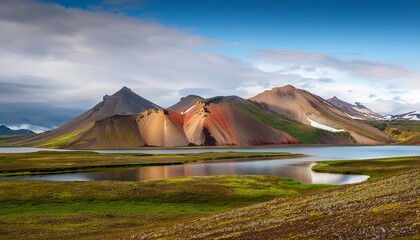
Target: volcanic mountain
309 109
283 115
149 128
215 121
355 111
229 121
185 104
123 102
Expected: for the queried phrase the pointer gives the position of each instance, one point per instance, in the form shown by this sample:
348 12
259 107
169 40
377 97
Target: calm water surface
296 168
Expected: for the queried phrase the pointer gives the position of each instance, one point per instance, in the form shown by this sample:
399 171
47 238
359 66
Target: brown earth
301 105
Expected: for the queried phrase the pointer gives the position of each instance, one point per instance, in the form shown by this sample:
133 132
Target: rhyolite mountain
355 111
6 131
123 102
284 115
185 104
310 109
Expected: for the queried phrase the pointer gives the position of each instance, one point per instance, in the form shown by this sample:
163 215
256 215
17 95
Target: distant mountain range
413 115
355 111
283 115
4 130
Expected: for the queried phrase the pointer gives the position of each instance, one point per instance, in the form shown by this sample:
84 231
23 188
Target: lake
296 168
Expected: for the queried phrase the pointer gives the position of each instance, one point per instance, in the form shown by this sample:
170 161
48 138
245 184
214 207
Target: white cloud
70 58
87 54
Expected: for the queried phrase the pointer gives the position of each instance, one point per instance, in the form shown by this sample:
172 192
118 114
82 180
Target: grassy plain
245 207
385 207
74 210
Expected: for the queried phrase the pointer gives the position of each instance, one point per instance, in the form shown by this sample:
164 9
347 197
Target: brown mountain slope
149 128
123 102
309 109
227 121
184 104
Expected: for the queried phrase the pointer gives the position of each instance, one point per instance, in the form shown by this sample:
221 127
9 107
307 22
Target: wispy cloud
60 56
56 62
373 70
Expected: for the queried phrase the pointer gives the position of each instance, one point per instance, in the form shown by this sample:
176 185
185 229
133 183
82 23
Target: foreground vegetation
245 207
44 162
384 208
375 168
74 210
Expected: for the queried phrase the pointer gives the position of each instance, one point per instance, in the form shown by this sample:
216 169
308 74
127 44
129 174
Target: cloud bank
61 61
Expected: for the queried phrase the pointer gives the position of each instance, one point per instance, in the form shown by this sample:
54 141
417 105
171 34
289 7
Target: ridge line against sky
60 57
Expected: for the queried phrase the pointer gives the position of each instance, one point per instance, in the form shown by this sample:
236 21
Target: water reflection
301 172
296 168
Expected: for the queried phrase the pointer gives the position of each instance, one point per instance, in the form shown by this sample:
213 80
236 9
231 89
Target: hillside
283 115
309 109
123 102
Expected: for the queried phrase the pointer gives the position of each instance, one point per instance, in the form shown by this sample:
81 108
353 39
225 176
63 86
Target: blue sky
386 30
60 57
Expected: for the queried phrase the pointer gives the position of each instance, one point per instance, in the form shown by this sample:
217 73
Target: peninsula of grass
80 210
375 168
45 162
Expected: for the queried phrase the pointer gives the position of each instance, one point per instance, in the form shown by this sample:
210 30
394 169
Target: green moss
375 168
59 141
51 210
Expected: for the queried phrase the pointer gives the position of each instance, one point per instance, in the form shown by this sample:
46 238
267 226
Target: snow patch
189 109
324 127
357 118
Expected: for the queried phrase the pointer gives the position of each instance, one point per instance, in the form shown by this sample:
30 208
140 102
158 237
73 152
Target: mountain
123 102
307 108
4 130
215 121
230 121
185 104
283 115
356 111
413 115
149 128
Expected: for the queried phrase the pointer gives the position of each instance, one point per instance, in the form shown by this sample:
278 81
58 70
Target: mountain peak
123 90
286 88
359 105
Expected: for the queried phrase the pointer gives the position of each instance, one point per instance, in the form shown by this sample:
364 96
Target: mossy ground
375 168
404 131
383 208
217 206
65 210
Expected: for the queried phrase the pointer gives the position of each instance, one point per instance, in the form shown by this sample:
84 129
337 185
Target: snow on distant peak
413 115
324 127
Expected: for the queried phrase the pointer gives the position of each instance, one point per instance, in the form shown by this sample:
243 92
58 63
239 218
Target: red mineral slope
229 121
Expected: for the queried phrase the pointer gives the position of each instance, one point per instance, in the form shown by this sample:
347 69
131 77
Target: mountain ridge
282 115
